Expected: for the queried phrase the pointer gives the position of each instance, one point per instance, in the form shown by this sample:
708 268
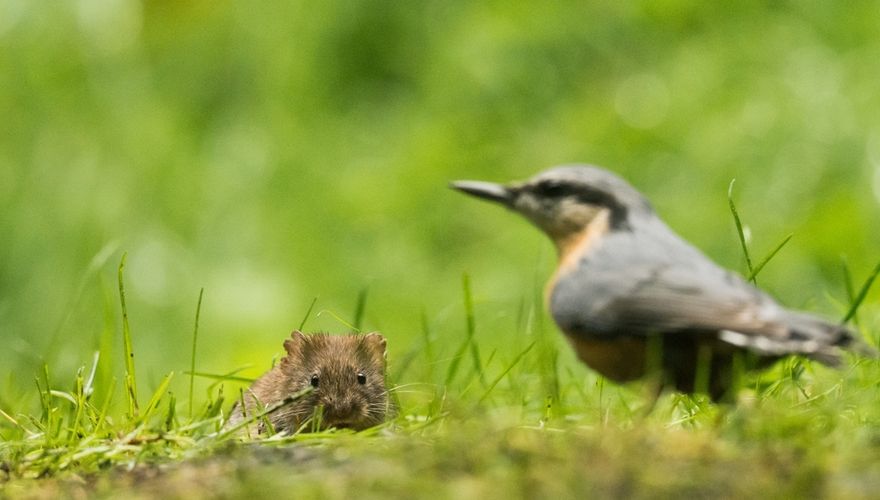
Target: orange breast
620 360
572 248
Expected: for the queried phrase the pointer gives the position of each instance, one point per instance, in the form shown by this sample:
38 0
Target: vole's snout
341 408
344 413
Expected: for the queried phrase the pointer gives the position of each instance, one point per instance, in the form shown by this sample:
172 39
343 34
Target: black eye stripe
552 189
584 193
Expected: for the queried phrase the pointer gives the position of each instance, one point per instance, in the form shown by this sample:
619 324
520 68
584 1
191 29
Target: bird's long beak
485 190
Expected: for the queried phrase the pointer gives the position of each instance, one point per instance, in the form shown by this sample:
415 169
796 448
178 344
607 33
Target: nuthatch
626 282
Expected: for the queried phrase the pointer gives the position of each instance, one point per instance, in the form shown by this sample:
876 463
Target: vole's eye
314 381
362 379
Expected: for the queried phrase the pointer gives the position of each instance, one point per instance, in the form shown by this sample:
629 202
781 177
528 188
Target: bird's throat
576 245
571 246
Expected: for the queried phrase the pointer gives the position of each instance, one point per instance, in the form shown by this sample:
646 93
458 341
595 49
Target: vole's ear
295 343
376 343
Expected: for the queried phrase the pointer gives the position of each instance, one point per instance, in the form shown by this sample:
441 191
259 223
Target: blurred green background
274 152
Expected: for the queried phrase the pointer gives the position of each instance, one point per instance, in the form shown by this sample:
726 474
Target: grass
525 421
272 156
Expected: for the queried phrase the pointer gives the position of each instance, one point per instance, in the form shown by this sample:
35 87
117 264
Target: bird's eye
551 189
314 381
362 378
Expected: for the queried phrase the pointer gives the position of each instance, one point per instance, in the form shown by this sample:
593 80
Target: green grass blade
308 313
428 341
46 398
157 397
107 338
172 413
102 416
847 279
317 418
359 308
192 361
12 420
89 385
64 395
504 373
337 318
863 292
244 409
79 406
739 230
229 377
765 260
214 405
456 360
130 379
267 411
471 327
848 284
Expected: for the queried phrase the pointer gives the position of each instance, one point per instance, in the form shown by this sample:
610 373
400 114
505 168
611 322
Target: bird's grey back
646 277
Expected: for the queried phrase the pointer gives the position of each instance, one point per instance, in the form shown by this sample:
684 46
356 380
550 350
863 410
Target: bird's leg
703 369
654 374
653 388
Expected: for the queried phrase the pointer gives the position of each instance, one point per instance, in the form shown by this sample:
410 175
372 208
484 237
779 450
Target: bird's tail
823 341
804 334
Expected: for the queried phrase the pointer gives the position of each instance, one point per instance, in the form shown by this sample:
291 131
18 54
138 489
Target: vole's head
562 201
347 373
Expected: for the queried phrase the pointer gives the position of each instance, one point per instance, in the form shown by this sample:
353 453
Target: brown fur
336 361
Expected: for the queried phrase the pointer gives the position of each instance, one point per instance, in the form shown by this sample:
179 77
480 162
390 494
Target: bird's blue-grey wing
643 286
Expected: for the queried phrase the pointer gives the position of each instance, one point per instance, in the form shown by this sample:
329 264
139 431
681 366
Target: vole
346 373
